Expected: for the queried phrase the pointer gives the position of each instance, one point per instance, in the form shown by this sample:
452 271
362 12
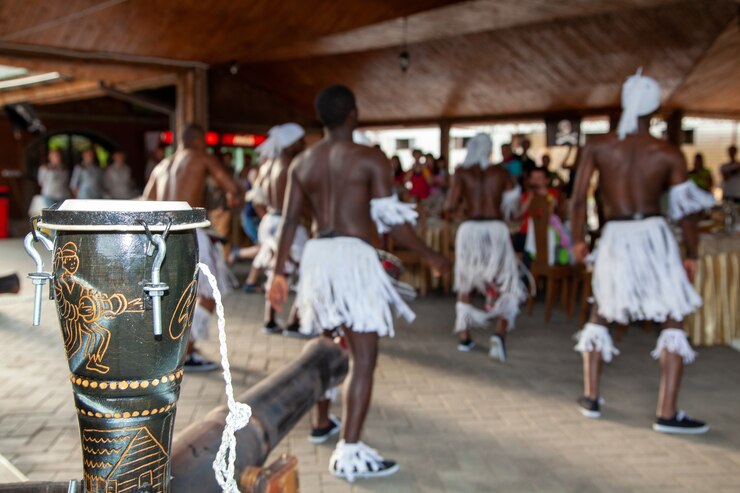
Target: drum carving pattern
84 321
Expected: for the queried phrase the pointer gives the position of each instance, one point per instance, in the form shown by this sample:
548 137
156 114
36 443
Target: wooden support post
444 139
192 100
674 132
613 120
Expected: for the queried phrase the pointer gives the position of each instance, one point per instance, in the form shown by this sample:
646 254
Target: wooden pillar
444 139
192 100
674 132
614 120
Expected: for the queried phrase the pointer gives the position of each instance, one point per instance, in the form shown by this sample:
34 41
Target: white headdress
479 151
640 97
280 137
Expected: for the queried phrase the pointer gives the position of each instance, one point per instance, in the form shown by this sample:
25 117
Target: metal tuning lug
39 277
156 289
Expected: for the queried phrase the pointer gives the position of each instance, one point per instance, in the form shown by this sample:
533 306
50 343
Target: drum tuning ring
39 277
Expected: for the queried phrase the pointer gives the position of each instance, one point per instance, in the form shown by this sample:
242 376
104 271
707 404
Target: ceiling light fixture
30 80
404 59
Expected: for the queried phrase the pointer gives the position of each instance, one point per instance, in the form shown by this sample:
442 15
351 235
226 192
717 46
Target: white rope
239 413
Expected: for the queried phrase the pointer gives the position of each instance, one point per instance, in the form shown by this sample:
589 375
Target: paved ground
455 422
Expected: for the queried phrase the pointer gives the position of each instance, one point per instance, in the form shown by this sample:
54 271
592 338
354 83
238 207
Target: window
404 144
459 142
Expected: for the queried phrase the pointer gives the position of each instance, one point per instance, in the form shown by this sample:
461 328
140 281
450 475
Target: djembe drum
125 287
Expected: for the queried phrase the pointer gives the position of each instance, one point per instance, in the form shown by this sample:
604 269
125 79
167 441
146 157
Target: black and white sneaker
589 408
272 328
465 346
321 435
498 348
195 363
680 424
350 461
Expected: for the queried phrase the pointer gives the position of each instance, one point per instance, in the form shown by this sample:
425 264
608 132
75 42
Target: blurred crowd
426 182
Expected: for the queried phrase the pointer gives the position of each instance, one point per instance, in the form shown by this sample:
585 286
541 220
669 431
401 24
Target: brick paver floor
455 422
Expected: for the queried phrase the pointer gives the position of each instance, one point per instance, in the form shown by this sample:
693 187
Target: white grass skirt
267 235
638 274
484 256
342 283
212 256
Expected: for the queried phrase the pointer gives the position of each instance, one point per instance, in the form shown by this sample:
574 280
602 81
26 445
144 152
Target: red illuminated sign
242 140
212 139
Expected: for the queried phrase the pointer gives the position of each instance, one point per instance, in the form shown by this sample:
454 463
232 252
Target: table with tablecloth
717 322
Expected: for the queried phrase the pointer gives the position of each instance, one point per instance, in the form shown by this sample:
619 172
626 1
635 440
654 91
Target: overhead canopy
468 60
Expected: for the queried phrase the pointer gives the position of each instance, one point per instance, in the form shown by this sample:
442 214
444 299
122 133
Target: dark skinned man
182 177
638 272
484 256
284 143
342 284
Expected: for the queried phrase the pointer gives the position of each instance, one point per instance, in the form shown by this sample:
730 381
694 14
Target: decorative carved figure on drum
83 310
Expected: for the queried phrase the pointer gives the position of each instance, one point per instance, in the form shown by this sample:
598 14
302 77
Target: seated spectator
397 171
536 185
701 175
528 163
440 176
731 177
511 162
419 178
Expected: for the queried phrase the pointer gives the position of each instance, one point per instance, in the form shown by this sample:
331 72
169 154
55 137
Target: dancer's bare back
480 190
183 177
633 173
338 179
273 179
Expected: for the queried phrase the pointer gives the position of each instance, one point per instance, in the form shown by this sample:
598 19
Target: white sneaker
465 346
498 348
350 461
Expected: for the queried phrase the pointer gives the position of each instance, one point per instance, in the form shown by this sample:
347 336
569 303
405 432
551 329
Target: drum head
122 216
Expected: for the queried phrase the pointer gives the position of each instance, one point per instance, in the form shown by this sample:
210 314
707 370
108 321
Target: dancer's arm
403 232
690 222
580 201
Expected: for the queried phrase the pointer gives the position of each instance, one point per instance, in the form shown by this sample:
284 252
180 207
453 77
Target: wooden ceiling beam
491 118
52 93
78 89
101 57
85 69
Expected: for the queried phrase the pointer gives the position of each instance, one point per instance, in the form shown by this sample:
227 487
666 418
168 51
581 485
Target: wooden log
35 487
278 402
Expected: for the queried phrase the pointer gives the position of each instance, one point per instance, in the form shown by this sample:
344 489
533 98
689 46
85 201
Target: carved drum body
124 282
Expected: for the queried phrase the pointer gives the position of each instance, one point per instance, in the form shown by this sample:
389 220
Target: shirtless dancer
484 256
342 284
285 142
638 273
183 177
